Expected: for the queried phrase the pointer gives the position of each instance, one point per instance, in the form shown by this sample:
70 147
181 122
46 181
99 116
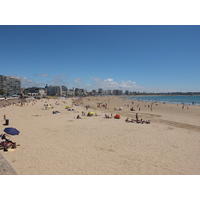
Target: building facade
117 92
108 92
35 91
100 90
54 90
80 92
10 85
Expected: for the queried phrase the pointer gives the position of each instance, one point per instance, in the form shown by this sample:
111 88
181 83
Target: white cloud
112 84
44 75
77 80
59 80
106 84
26 82
63 80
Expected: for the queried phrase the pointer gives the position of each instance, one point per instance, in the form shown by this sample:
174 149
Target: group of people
6 143
108 117
137 120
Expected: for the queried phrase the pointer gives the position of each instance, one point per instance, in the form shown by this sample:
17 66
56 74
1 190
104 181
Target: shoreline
163 101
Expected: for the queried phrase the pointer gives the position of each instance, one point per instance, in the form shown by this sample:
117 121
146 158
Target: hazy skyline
135 58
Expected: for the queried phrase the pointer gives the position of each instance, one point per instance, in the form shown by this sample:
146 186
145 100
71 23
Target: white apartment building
10 85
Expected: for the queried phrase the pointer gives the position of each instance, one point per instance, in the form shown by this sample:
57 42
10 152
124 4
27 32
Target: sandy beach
60 144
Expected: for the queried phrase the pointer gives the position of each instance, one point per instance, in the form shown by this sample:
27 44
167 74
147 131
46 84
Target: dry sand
60 144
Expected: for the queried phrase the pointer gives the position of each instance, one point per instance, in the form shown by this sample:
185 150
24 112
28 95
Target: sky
162 58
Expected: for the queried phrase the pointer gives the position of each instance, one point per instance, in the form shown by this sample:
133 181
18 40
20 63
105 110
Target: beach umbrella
67 106
11 131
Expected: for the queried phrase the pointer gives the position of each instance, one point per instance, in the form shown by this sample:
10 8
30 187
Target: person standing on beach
136 116
4 117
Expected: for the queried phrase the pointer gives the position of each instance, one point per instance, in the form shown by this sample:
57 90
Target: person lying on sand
78 117
140 121
127 120
55 112
107 116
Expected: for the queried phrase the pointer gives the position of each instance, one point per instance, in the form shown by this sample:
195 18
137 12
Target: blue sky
137 58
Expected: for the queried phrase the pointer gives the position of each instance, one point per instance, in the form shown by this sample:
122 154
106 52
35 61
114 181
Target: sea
182 99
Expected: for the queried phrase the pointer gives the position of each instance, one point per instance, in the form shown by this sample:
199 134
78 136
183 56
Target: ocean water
182 99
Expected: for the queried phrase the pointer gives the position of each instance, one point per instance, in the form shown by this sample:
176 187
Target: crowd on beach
87 108
86 112
135 107
110 116
16 102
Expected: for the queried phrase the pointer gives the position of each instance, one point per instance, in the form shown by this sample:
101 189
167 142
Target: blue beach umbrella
11 131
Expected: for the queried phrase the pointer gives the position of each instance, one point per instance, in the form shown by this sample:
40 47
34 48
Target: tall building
54 90
64 90
108 92
94 92
127 92
100 91
10 85
80 92
117 92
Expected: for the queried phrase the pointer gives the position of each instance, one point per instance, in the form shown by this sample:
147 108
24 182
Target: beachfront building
84 92
77 92
108 92
100 90
54 90
10 85
117 92
64 90
94 92
127 92
35 91
71 93
80 92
